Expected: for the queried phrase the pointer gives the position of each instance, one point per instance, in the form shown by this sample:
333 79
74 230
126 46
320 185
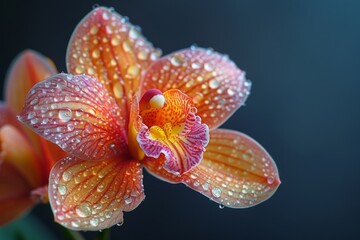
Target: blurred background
303 58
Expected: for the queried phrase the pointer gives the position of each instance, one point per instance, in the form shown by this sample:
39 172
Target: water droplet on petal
118 90
133 71
34 101
221 206
196 65
70 126
270 180
96 53
208 67
216 192
67 175
205 186
34 121
128 200
61 84
142 55
105 15
94 222
176 61
65 115
134 33
79 69
75 224
214 83
115 41
83 210
62 189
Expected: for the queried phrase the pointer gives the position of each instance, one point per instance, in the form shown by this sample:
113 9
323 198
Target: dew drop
65 115
270 180
105 15
67 175
61 84
214 83
119 224
34 101
208 67
70 126
176 61
34 121
62 189
118 90
83 210
142 55
133 71
221 206
128 200
31 115
94 30
197 98
94 222
134 33
79 69
196 65
231 92
100 188
115 41
95 53
205 186
126 47
75 224
216 192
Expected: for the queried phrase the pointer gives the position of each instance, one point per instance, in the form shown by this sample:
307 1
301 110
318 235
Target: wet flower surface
121 108
25 158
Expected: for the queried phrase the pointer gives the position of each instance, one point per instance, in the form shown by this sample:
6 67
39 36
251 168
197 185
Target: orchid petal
8 116
218 88
14 193
175 131
17 151
235 172
28 68
105 45
92 195
76 113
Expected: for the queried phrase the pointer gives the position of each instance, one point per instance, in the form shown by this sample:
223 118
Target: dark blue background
304 60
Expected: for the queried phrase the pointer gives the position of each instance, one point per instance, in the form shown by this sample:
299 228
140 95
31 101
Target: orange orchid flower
121 108
25 158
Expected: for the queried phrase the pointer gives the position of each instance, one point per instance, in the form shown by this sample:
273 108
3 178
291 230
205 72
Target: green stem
71 235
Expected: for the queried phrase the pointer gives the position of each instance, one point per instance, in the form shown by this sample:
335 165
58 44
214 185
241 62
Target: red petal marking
28 68
17 151
14 194
235 172
105 45
215 84
77 113
175 131
92 195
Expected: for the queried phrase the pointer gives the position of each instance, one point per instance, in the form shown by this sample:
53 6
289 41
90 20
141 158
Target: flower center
171 127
